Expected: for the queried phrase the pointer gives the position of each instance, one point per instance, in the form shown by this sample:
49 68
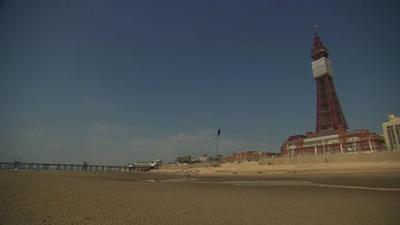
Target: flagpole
216 147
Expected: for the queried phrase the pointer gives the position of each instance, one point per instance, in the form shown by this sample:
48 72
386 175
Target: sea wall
334 158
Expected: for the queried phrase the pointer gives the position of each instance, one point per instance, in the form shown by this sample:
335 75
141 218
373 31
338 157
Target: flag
219 132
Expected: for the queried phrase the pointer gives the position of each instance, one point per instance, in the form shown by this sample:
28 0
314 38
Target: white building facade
391 132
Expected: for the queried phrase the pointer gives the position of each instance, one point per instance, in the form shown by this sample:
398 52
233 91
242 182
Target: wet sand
129 198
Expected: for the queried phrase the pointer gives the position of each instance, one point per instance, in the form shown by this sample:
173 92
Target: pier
16 165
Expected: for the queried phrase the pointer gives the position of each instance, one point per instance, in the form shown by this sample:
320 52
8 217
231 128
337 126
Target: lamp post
216 146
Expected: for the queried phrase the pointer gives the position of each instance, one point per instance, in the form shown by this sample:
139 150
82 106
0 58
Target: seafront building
391 132
331 134
248 156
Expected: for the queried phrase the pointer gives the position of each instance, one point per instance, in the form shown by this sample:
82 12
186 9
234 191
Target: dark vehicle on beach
184 159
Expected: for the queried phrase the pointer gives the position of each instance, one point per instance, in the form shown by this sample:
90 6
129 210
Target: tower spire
318 50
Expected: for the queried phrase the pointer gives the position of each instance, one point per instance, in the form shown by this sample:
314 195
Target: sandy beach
381 162
143 198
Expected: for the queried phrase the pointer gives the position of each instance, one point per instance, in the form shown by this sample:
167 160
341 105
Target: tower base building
331 143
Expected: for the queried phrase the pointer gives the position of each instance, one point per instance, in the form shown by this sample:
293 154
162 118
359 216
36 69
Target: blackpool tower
329 113
331 134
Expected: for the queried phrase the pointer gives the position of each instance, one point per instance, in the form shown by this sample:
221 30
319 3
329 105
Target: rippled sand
105 198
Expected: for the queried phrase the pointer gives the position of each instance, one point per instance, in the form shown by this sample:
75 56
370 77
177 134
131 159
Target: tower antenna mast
316 26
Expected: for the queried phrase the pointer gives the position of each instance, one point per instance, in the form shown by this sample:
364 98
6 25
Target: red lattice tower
329 113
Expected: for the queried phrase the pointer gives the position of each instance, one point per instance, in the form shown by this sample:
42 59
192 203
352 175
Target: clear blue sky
119 81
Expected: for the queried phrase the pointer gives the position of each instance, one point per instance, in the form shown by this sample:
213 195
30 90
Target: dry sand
253 168
128 198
